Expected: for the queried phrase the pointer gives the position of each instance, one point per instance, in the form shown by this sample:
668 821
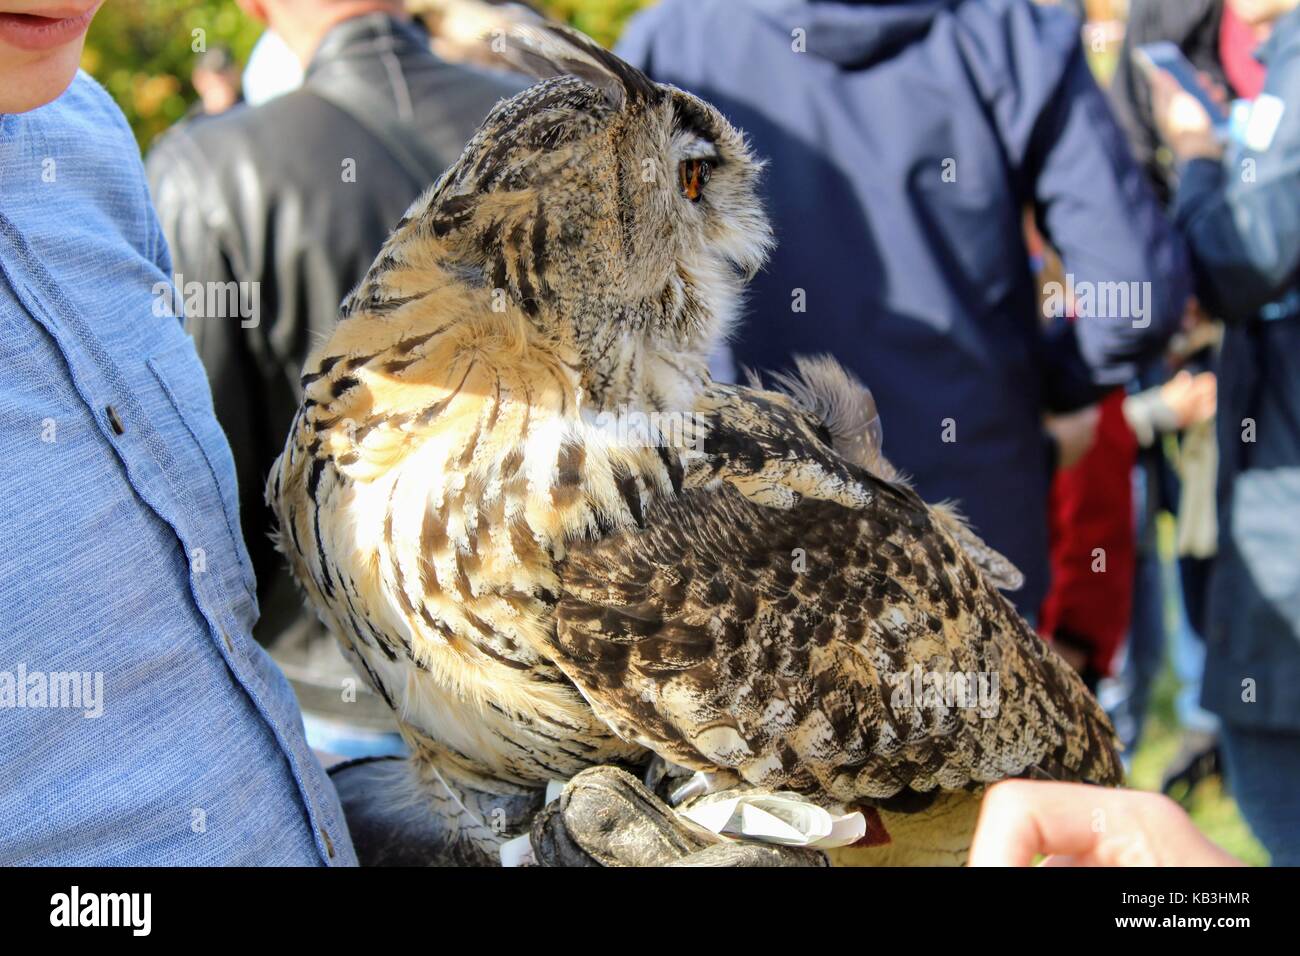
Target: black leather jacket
263 195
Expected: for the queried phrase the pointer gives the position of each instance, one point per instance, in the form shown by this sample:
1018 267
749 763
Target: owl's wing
847 412
817 644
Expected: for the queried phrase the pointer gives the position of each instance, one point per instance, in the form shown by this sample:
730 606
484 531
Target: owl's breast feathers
535 593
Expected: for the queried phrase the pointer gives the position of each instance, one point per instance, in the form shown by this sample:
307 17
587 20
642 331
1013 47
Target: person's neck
305 37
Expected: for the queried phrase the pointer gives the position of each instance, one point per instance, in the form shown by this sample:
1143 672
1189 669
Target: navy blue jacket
1242 220
905 141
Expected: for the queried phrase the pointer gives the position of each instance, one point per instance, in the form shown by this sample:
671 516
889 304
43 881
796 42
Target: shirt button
114 420
230 646
329 844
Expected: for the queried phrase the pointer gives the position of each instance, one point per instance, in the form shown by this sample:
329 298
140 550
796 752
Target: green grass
1213 811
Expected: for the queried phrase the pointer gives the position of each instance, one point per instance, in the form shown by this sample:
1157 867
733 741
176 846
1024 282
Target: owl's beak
751 255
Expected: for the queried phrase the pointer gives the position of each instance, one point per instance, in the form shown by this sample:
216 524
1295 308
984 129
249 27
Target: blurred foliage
142 50
1211 807
601 19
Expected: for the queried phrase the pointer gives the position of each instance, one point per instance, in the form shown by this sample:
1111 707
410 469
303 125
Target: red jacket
1092 541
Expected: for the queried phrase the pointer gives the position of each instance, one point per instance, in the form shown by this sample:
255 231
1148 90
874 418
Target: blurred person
292 200
216 79
1183 402
1208 38
1195 545
1096 562
1091 545
904 140
1239 207
1089 523
141 722
1220 45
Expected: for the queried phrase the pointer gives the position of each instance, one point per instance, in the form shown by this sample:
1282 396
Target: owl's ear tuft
543 50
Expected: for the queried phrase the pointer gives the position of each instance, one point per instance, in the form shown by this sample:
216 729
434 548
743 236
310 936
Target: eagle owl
550 541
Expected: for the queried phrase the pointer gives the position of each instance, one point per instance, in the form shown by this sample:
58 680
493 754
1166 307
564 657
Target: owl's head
620 215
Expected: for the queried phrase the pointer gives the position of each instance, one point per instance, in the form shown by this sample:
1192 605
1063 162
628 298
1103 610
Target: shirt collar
360 36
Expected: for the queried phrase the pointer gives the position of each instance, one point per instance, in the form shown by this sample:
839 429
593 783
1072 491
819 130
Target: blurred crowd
1050 289
1077 303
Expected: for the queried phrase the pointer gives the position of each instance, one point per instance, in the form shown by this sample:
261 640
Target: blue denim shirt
139 722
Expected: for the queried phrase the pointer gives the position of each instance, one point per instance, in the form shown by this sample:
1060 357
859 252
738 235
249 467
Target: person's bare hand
1192 397
1075 824
1182 121
1074 433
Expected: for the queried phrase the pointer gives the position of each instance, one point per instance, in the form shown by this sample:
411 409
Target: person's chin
29 80
40 50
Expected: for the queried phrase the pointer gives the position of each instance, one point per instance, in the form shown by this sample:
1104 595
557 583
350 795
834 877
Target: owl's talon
606 817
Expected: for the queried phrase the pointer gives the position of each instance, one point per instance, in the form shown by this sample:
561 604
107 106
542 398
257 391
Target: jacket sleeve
1094 206
1091 200
1242 217
196 228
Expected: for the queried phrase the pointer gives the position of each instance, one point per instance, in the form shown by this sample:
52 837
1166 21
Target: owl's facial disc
713 235
716 172
620 215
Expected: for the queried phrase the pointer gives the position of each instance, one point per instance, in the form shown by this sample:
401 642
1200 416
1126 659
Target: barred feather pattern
535 592
440 533
408 503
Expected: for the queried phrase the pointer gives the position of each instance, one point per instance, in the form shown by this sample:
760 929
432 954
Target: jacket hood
854 32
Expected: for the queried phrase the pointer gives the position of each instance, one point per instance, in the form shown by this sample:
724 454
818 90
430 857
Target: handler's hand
1074 824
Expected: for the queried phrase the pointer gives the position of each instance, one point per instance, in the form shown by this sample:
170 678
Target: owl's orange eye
692 176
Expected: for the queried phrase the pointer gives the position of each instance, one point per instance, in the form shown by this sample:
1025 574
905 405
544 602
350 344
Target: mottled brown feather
698 638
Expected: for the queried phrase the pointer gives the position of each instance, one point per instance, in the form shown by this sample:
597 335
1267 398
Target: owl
550 541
